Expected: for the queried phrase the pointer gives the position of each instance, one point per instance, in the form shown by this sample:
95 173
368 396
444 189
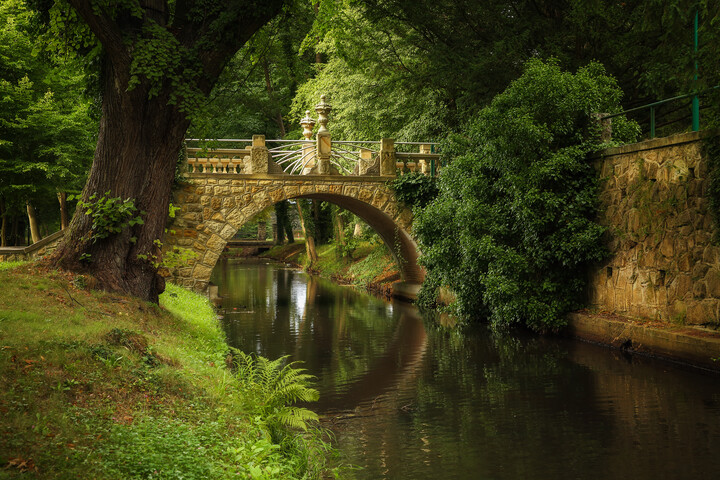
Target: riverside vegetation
99 385
364 262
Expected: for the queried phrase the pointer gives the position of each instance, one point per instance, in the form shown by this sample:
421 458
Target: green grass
369 263
10 265
97 385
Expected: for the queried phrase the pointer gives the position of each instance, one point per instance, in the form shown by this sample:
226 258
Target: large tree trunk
62 199
309 237
138 145
140 132
3 228
271 96
32 222
339 230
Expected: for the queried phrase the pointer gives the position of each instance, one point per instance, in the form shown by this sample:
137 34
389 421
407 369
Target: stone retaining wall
664 263
37 250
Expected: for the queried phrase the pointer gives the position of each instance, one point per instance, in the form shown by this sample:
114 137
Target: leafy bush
513 228
415 189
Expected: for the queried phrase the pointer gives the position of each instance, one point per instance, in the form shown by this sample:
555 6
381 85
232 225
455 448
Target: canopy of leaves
47 133
513 226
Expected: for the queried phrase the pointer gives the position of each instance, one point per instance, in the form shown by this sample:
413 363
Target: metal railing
652 107
349 157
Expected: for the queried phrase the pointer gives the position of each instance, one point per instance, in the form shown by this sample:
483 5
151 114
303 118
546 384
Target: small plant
276 384
110 215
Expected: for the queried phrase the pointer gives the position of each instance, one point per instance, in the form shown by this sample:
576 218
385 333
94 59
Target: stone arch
213 208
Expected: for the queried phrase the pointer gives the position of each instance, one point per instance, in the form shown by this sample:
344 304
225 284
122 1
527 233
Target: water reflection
411 404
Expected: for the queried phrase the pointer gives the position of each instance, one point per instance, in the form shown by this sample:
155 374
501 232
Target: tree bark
138 145
262 231
309 238
358 230
271 96
62 199
32 221
339 229
3 227
281 214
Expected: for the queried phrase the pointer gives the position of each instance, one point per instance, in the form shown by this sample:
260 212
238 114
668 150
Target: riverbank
368 265
695 346
690 345
98 385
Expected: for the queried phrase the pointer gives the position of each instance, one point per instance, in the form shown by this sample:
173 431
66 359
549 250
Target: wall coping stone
31 248
655 143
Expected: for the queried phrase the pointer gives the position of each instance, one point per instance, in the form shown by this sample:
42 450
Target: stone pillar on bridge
422 165
387 157
259 156
308 150
324 141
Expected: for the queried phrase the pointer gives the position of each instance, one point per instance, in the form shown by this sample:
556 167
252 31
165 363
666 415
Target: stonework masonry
37 250
664 259
213 207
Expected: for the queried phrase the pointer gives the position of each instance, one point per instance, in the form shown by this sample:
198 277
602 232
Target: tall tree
160 59
46 130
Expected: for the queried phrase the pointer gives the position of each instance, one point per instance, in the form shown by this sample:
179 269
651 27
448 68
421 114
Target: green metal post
652 122
695 98
432 161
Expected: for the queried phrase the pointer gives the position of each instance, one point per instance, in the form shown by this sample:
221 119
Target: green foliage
711 151
415 189
272 385
47 133
110 215
513 227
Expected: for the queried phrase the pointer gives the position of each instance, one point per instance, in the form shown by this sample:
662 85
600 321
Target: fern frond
296 417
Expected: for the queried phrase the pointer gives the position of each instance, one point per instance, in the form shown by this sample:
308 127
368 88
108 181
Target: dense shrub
513 227
415 189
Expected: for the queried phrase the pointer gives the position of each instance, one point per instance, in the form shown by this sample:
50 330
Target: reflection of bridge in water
225 187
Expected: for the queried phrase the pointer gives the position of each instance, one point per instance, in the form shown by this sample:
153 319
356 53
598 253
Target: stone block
712 282
702 312
210 258
699 289
667 247
216 243
216 203
227 232
202 272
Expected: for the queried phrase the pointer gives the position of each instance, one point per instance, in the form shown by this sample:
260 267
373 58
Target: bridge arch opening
211 214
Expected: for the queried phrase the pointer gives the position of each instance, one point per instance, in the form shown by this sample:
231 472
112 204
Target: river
407 400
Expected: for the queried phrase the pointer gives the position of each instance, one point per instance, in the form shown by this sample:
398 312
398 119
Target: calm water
411 402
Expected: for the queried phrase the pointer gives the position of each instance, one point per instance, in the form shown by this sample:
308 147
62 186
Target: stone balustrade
321 156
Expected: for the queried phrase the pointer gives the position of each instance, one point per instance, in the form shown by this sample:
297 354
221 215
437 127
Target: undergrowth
95 385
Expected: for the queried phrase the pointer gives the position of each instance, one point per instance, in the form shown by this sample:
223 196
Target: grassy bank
97 385
366 264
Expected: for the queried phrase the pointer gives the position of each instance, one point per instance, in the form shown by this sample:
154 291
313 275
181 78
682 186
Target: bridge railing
300 157
321 156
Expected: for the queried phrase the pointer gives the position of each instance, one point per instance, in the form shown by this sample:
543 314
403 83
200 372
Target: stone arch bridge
228 187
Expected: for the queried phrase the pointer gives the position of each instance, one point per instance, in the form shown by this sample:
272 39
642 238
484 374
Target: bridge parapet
321 156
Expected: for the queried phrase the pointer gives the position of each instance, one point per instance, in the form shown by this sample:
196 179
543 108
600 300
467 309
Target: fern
276 384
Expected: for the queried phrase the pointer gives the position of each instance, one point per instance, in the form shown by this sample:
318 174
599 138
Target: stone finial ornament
308 123
323 110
